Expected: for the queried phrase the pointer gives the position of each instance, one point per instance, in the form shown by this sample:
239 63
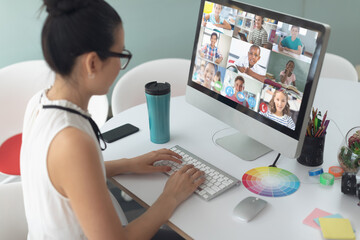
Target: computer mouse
248 208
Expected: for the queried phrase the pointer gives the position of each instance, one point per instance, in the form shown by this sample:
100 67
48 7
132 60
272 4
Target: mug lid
155 88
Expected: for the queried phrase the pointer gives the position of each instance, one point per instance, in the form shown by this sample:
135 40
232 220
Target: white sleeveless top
48 213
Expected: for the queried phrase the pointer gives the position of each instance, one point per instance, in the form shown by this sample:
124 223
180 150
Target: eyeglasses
125 56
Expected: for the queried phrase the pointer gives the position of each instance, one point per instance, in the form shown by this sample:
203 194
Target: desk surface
282 218
290 54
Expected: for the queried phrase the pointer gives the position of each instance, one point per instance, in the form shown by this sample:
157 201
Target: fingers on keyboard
185 168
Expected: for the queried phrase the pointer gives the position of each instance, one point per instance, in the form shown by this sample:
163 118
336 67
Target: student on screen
287 76
216 83
238 96
292 43
209 74
210 51
248 64
198 74
215 18
279 109
259 36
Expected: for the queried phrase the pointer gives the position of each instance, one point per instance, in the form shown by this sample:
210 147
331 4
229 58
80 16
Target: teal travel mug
158 104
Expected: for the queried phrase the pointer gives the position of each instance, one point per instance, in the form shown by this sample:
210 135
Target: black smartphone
119 132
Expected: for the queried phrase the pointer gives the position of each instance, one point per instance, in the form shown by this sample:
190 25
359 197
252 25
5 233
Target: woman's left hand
145 163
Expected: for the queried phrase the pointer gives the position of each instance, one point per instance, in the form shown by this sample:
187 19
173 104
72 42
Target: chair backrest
335 66
13 223
99 109
130 88
19 82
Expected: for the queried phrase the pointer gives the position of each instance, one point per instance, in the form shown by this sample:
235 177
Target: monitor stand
243 146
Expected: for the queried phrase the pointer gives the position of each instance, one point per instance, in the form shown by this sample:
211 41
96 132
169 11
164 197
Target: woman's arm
142 164
76 174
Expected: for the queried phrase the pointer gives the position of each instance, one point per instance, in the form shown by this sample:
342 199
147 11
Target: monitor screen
260 63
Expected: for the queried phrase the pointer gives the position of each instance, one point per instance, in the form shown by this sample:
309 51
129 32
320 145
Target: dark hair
239 78
255 46
214 34
272 106
290 61
75 27
262 18
218 73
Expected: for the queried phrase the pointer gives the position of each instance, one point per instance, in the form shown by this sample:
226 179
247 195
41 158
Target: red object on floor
10 155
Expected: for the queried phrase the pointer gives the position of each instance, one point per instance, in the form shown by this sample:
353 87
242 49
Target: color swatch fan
270 181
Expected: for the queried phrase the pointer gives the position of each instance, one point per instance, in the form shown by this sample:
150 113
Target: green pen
316 122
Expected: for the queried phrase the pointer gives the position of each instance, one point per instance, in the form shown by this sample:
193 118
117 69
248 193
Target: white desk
219 29
282 218
290 54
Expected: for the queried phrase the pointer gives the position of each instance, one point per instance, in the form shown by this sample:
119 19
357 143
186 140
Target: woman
63 173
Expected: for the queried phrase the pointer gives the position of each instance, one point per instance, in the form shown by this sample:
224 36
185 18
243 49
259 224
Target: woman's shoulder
72 143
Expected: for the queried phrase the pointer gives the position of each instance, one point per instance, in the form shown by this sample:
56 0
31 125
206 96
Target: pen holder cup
312 151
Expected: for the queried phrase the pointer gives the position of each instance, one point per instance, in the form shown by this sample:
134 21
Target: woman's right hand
182 183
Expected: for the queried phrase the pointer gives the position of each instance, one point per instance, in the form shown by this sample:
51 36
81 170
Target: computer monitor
256 70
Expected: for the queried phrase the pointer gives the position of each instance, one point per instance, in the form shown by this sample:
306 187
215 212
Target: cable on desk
276 159
337 126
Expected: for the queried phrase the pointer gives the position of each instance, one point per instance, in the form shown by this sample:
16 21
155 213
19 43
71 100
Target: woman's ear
92 64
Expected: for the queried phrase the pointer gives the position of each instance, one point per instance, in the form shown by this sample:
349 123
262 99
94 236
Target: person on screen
292 43
216 19
209 74
287 76
62 168
210 51
279 109
239 86
259 36
248 64
216 81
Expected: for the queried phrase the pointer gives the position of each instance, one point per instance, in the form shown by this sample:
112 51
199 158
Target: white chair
99 109
335 66
18 83
13 223
357 67
130 88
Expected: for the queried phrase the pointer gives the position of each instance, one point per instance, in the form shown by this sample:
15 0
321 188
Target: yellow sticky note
208 7
337 228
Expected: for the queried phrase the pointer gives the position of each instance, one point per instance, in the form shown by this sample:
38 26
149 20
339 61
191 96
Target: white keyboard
216 182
